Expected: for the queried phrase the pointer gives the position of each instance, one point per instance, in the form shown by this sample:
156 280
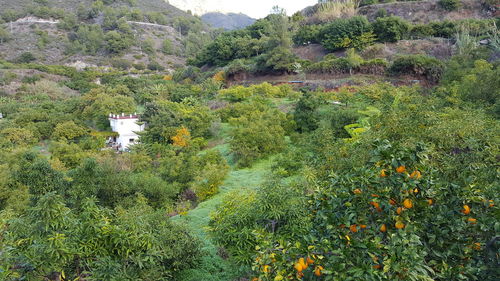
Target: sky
253 8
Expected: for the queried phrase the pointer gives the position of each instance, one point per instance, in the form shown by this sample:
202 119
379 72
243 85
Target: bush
449 5
421 31
306 34
368 2
139 66
4 35
445 29
390 29
155 66
355 32
166 47
26 57
381 13
68 131
257 134
420 65
122 64
117 42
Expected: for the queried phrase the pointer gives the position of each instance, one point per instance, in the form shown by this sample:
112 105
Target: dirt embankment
427 11
330 82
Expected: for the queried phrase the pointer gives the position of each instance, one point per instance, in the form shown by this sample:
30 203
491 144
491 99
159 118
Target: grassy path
212 266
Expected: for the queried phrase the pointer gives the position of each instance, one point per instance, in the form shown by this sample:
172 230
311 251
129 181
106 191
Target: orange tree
394 218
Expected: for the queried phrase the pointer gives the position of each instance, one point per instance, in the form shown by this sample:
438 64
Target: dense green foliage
390 29
419 65
398 185
355 32
449 5
377 165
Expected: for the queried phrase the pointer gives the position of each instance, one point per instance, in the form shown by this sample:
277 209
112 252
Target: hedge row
417 65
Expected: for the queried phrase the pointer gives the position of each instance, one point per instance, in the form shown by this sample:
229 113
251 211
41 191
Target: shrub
256 135
26 57
449 5
420 65
368 2
373 66
381 13
390 29
306 115
139 66
117 42
445 29
421 31
155 66
4 35
354 32
68 131
306 34
167 47
122 64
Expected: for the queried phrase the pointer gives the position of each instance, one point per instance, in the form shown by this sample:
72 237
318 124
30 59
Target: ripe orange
466 210
430 202
309 261
303 263
400 225
317 270
377 266
363 226
472 220
392 202
298 267
357 191
383 174
383 228
408 204
415 175
399 210
401 169
353 228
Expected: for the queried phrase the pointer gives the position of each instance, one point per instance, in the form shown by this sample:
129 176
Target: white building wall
127 129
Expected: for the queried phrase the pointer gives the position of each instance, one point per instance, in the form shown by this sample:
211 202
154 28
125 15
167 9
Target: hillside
73 5
428 11
153 33
229 21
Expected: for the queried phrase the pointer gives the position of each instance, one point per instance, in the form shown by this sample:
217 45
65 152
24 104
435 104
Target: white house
127 128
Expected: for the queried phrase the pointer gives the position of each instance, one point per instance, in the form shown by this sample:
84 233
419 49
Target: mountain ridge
227 21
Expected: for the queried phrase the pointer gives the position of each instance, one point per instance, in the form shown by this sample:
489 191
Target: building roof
130 116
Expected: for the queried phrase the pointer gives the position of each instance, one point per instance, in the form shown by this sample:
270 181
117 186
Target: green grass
212 267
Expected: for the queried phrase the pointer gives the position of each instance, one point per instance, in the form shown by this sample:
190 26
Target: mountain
199 7
229 21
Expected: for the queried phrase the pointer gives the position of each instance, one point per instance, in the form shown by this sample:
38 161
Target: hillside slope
151 33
